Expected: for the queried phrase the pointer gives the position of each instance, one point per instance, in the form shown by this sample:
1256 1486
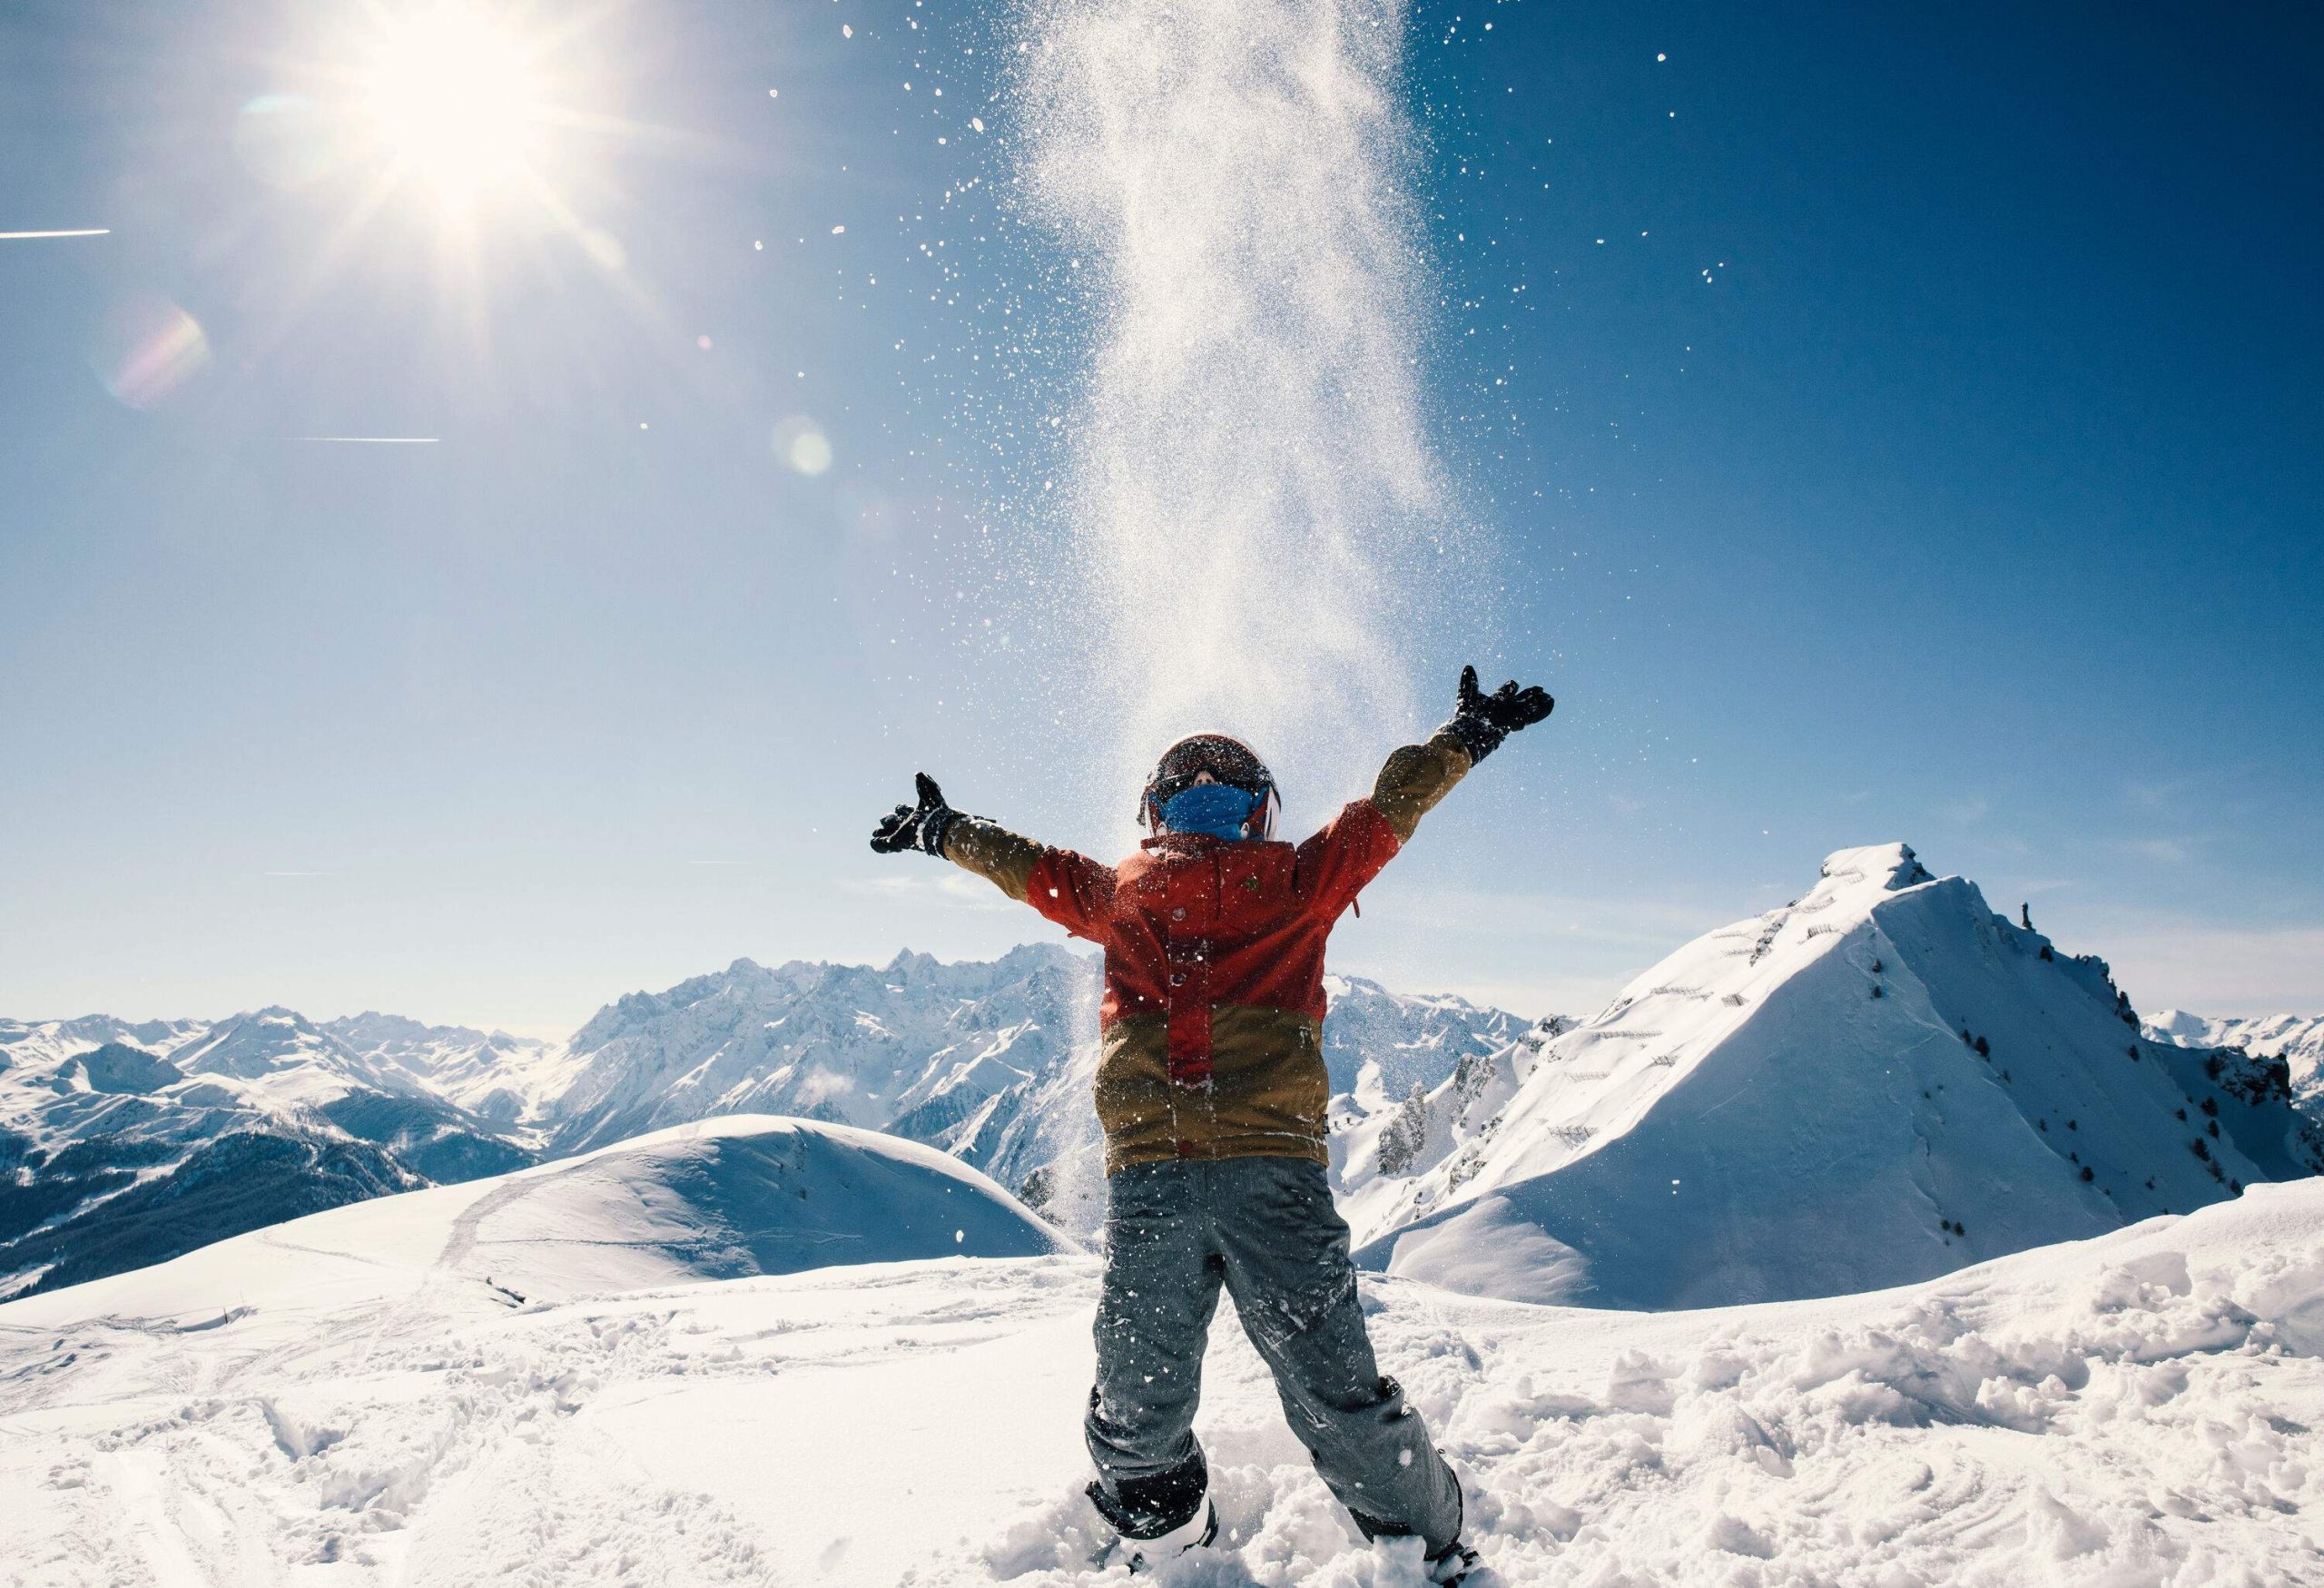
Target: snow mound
2137 1411
1879 1082
715 1199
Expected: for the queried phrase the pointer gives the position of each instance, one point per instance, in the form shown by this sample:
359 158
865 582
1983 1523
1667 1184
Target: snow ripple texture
1252 495
2136 1411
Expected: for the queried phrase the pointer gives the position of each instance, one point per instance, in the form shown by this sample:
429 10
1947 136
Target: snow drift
1877 1083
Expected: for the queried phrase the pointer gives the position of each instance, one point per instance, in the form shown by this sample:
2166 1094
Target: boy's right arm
1072 890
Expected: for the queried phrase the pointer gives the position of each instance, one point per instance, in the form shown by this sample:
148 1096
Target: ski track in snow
2134 1410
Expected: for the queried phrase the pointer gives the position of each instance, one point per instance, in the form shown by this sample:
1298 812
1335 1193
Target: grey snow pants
1266 1228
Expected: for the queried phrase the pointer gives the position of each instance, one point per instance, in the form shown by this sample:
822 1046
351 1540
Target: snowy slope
1881 1081
363 1408
2296 1039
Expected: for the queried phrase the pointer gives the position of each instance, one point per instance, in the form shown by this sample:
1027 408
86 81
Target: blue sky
1929 450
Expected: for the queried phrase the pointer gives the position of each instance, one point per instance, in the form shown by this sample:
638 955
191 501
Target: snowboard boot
1139 1544
1453 1566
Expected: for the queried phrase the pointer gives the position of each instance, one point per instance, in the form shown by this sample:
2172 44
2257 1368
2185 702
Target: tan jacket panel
1415 777
1265 1097
993 853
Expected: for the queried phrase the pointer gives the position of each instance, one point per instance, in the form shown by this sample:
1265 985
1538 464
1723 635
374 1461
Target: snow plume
1253 500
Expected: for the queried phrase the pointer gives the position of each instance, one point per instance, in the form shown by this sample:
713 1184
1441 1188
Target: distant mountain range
2296 1040
122 1144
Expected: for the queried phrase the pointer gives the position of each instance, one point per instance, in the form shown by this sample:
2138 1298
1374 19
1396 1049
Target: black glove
920 826
1481 721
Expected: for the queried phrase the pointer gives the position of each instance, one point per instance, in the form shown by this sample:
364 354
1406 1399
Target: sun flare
453 98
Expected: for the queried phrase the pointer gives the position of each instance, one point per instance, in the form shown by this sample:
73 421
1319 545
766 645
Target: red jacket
1213 1018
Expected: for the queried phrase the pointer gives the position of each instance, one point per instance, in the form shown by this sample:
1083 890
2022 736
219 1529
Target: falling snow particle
837 230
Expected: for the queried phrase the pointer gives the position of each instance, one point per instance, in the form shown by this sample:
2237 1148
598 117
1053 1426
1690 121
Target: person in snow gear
1212 1091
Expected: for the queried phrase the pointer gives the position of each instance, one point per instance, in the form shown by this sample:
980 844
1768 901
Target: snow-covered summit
1879 1081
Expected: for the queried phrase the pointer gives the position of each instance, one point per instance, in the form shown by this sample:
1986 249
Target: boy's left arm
1350 852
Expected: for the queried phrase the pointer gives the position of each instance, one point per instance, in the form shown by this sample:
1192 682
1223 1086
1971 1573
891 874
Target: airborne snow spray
1256 514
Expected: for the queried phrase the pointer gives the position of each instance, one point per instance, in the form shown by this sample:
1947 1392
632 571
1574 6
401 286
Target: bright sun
453 98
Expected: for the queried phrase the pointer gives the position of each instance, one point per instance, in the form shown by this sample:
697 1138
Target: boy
1212 1092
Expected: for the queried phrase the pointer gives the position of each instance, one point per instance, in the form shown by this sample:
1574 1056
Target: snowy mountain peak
1887 868
1883 1054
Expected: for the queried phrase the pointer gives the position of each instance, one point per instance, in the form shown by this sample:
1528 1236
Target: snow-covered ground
346 1400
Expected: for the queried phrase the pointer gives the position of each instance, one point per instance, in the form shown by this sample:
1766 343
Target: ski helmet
1212 758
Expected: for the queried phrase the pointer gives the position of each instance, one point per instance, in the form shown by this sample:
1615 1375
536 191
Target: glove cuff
1475 735
932 827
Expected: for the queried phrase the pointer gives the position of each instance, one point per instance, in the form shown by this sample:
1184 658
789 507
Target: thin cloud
953 889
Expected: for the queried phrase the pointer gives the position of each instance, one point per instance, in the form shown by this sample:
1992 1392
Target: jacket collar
1174 845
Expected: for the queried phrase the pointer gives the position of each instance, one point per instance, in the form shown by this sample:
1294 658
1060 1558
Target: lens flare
287 139
800 442
149 348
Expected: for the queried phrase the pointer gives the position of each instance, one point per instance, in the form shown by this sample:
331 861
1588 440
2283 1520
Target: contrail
373 440
86 232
